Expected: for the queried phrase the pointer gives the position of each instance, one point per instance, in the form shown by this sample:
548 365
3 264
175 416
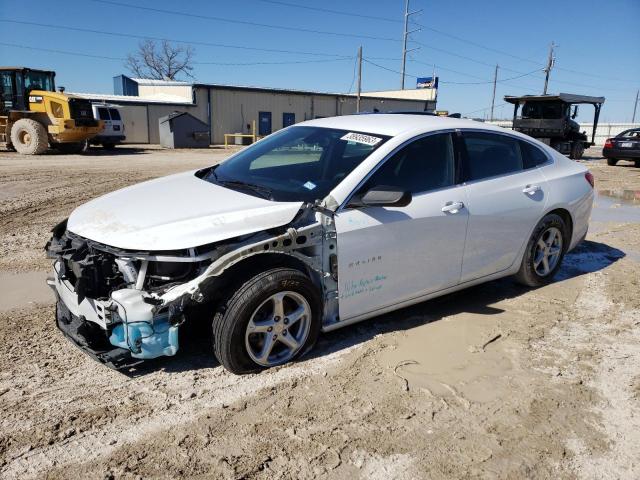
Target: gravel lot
419 393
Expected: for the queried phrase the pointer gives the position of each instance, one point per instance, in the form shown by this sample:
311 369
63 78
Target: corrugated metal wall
134 118
233 111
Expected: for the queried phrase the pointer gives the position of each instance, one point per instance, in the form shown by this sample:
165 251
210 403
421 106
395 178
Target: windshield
39 81
544 110
296 164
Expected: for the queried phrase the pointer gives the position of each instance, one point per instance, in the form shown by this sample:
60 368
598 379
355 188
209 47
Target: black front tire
527 274
231 320
612 162
637 163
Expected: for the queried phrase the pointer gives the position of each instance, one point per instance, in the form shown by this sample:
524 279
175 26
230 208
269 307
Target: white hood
176 212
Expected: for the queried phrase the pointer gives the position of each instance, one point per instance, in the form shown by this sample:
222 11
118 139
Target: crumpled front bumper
92 340
119 332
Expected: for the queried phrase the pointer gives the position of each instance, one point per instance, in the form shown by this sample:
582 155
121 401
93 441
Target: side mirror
382 196
575 112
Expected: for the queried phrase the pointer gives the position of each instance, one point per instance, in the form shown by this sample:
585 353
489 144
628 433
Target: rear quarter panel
569 190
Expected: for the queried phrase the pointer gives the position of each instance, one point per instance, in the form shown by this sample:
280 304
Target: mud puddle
617 205
462 356
22 289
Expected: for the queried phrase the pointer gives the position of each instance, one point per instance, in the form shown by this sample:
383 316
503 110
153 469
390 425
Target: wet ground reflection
617 205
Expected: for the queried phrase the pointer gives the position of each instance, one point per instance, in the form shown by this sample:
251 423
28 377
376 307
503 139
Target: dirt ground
496 381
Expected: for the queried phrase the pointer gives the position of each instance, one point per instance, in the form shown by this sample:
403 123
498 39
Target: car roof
396 124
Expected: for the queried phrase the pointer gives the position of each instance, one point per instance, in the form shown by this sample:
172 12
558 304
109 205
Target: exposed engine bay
124 306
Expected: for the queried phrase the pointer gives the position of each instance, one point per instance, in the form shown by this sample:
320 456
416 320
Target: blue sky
597 51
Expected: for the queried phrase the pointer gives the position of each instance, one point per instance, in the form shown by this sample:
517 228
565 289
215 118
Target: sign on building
427 82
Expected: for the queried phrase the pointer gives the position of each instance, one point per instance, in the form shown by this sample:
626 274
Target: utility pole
550 62
635 105
405 37
493 97
359 79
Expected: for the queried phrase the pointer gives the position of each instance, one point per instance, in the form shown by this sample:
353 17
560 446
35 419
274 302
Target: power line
479 45
239 64
593 75
328 10
185 42
50 50
291 62
486 108
243 22
484 82
447 34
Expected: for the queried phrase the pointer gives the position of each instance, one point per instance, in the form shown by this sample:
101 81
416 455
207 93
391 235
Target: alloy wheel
548 251
278 328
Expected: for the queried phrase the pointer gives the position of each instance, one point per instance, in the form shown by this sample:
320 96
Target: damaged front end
123 307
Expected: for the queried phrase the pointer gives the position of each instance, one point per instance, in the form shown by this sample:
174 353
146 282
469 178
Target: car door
388 255
506 195
103 112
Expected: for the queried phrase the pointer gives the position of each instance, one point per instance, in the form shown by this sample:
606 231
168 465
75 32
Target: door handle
452 207
531 189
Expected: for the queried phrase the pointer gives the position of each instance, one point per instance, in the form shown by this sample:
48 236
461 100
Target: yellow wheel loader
33 116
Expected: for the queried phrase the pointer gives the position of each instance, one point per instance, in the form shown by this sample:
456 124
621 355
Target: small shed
183 130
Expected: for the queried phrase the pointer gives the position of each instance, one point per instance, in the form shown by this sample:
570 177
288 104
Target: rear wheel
637 163
29 137
270 320
544 253
612 162
577 150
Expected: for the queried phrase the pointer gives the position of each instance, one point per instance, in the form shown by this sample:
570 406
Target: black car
624 146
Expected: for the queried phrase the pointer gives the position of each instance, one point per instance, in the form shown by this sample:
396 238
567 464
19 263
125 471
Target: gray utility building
234 109
183 130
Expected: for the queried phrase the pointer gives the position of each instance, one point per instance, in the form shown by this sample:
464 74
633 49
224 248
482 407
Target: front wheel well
225 284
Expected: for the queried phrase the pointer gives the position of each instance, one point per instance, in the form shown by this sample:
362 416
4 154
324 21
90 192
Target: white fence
604 130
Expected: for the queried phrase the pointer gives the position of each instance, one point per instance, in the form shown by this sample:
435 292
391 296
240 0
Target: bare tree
160 61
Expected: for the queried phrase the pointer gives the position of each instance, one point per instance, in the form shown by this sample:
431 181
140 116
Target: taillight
608 143
590 179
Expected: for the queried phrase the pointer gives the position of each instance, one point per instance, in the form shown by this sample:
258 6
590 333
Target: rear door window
532 156
103 113
490 155
115 114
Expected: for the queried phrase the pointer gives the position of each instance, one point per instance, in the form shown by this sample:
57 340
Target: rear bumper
108 138
620 153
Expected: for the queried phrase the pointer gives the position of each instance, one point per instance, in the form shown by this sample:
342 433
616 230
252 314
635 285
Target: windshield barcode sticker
361 138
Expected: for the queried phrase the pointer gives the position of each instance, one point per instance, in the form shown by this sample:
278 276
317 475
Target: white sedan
320 225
